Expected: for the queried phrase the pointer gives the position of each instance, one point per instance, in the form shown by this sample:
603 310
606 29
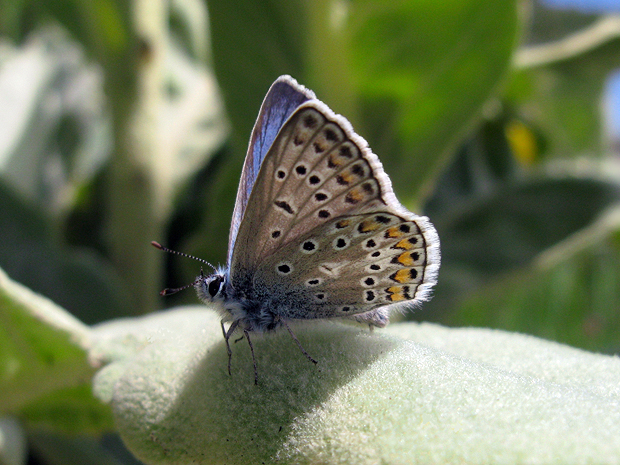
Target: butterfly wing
283 97
323 234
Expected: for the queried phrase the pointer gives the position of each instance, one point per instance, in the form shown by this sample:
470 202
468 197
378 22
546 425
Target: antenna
169 291
157 245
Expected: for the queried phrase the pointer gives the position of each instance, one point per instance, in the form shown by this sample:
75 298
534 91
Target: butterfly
317 231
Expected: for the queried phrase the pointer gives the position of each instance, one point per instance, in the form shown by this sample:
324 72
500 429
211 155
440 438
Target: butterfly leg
303 351
247 336
227 335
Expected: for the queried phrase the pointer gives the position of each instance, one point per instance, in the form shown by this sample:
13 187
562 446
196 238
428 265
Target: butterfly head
214 290
211 288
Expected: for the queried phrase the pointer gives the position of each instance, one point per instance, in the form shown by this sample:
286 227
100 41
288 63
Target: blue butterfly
316 230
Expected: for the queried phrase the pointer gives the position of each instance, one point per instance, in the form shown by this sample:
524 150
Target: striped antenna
169 291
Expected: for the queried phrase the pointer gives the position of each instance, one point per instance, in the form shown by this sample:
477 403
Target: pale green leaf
411 394
44 369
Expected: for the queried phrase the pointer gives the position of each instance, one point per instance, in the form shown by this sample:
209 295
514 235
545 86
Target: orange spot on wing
396 293
345 178
405 259
335 161
394 231
403 276
368 225
354 196
404 244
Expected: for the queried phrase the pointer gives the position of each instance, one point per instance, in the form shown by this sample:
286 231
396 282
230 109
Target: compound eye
215 285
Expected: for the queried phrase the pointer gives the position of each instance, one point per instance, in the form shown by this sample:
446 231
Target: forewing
283 98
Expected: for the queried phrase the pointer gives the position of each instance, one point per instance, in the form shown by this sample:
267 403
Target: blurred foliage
114 134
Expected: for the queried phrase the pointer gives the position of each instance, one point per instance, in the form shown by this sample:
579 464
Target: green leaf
253 43
507 229
100 26
424 69
569 294
412 393
44 368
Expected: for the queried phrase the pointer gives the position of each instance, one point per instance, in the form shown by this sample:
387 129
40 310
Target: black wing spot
314 179
345 151
281 174
375 254
276 234
320 196
375 267
358 170
370 243
309 246
368 187
324 214
370 296
369 282
405 228
284 268
310 121
284 206
406 292
330 135
318 148
341 243
382 219
301 170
